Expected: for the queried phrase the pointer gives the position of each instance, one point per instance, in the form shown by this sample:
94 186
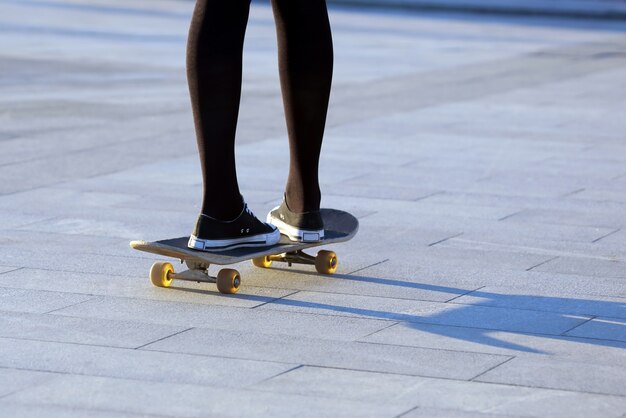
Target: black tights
214 67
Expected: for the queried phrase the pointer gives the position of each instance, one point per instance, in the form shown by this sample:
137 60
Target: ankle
224 211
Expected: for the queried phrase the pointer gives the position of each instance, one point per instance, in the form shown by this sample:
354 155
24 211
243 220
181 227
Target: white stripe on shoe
294 233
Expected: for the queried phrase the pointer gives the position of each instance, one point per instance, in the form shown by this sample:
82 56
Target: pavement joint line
551 388
432 244
274 300
464 294
299 366
491 368
511 215
542 263
511 308
564 333
438 192
360 339
366 267
163 338
73 304
449 301
17 228
238 358
57 311
572 193
131 349
540 251
415 408
463 380
606 235
96 296
108 144
14 269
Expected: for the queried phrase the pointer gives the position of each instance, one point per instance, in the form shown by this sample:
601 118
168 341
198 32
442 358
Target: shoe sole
296 234
261 240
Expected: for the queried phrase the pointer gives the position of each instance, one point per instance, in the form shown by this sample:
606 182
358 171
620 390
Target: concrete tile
597 218
602 328
12 380
187 400
45 411
89 285
543 301
457 279
37 301
557 374
360 386
90 331
218 369
469 397
441 412
427 312
310 351
586 267
560 347
517 401
209 315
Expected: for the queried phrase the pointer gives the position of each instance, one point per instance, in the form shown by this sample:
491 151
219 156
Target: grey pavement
485 157
593 9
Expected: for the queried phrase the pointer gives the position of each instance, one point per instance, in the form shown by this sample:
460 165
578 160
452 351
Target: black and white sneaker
244 231
302 227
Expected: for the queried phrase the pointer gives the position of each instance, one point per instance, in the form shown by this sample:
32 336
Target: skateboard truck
325 262
227 280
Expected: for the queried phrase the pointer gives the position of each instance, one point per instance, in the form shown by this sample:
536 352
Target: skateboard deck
339 226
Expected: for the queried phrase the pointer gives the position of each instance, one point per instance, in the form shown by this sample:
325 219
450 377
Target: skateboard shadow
478 320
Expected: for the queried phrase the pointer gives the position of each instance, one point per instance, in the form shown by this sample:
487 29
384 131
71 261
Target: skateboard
339 226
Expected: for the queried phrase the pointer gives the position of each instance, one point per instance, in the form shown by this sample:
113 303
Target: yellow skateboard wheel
263 262
326 262
228 281
160 274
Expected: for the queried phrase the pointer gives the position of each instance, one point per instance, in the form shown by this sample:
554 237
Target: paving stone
597 218
584 350
547 247
573 305
516 401
602 328
82 330
86 286
441 412
427 312
586 267
352 355
211 315
43 411
423 392
218 369
557 374
37 301
12 380
182 400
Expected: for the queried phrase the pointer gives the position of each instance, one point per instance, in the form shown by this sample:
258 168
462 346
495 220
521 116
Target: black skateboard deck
339 226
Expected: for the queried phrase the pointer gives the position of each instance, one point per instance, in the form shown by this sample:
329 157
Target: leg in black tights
214 67
305 52
214 71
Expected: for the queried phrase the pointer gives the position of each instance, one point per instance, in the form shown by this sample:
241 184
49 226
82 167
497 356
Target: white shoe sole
295 234
261 240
